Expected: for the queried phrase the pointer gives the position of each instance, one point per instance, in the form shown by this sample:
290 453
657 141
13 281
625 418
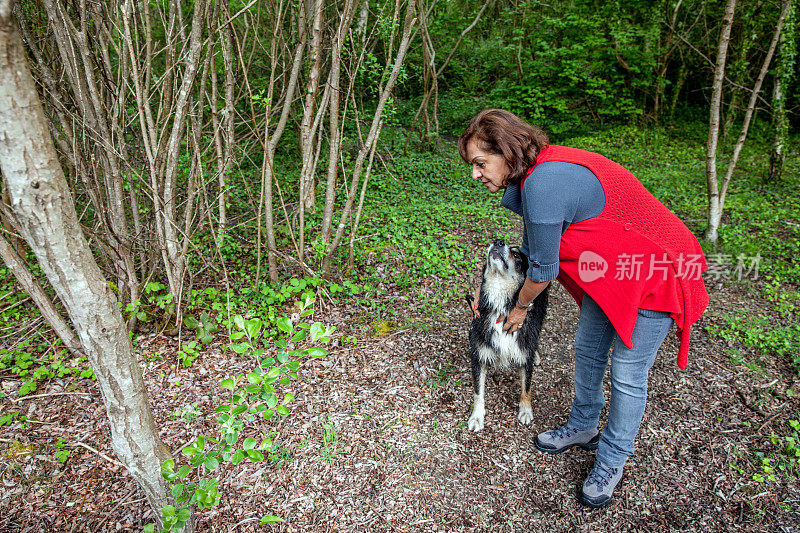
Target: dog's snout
499 242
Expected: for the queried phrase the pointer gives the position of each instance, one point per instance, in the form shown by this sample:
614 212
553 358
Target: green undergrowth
424 218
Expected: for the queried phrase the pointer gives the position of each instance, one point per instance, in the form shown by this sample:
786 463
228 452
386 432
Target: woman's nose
476 173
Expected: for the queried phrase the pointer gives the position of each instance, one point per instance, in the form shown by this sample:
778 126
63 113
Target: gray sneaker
562 439
599 485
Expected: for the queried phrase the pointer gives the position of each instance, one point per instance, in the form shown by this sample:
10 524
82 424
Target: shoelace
564 431
601 475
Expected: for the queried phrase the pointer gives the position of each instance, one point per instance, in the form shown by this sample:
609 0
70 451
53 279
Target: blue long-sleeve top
556 194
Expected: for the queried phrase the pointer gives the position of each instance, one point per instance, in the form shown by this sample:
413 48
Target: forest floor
376 439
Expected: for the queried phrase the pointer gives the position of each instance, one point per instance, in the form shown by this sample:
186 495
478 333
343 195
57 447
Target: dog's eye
516 255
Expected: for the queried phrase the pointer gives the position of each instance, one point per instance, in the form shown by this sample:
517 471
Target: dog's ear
520 258
523 262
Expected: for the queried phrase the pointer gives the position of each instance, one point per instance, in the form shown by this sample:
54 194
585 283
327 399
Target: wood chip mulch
402 459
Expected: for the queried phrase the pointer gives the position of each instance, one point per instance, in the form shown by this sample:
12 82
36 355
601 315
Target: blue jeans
630 368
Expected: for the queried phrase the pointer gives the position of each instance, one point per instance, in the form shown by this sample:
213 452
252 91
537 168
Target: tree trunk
228 118
714 208
783 75
29 284
307 195
42 204
410 22
430 69
334 146
174 259
751 106
15 241
270 143
683 73
777 157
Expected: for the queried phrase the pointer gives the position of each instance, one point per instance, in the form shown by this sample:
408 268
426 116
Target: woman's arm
527 294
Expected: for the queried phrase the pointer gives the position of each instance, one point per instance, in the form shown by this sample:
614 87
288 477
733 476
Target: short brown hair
505 134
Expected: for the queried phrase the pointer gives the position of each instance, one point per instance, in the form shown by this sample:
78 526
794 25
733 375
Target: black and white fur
503 277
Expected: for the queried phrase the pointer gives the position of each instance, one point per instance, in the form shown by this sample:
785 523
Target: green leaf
285 325
282 410
176 490
222 409
271 400
238 321
211 463
317 330
228 384
184 514
253 327
288 398
252 377
184 471
269 519
237 458
241 347
317 352
235 336
249 443
168 510
239 410
255 456
190 322
253 388
200 443
189 450
300 335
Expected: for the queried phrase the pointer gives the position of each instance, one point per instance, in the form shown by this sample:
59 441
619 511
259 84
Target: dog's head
506 261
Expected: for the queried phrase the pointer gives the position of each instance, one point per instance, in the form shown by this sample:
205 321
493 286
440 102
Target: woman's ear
507 177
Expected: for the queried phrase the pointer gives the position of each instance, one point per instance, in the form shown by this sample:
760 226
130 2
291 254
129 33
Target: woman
631 265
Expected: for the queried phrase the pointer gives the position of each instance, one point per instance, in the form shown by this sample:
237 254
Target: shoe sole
591 504
591 445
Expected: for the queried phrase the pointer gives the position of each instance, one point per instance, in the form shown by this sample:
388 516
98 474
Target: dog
503 277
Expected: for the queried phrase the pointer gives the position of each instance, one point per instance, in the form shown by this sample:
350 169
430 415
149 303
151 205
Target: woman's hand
515 319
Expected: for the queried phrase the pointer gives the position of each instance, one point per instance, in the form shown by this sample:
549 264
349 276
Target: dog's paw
475 422
525 415
537 359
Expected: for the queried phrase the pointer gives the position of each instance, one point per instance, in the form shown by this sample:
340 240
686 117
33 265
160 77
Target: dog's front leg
525 415
475 422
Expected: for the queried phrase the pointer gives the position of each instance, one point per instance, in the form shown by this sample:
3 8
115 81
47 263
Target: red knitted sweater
635 254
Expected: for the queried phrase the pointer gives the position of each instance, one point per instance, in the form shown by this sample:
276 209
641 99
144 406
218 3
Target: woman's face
488 168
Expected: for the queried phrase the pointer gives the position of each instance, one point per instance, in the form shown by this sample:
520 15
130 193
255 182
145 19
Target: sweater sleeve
551 200
541 246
